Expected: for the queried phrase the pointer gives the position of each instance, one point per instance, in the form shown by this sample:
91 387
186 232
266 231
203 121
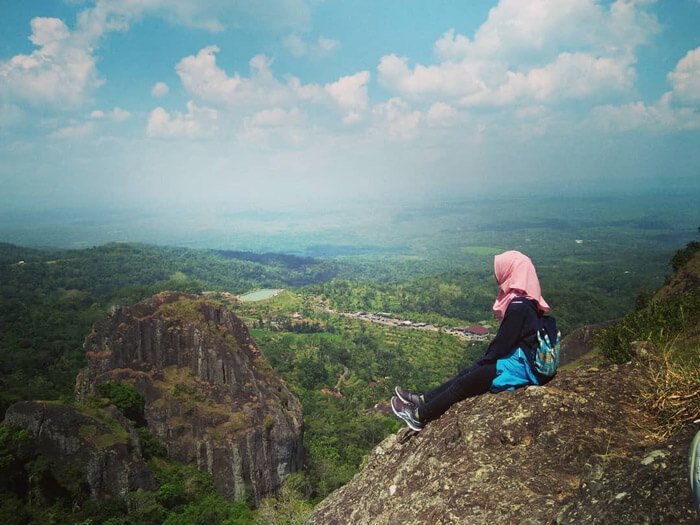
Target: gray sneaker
694 464
409 397
406 412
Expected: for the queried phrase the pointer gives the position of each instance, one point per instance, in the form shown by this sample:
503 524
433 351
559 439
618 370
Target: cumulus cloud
521 32
299 47
532 52
685 78
197 122
675 110
658 117
201 77
60 73
572 76
350 92
159 89
205 81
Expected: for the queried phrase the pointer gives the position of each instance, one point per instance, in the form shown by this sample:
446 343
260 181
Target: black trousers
472 381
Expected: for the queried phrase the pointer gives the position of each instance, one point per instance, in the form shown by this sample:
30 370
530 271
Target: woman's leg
435 392
472 381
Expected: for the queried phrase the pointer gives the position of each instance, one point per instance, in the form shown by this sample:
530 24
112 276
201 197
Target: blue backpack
548 350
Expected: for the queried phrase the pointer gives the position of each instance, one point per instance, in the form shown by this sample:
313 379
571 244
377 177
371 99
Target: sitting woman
508 362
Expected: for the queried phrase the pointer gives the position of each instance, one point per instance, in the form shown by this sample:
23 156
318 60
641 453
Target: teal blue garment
513 372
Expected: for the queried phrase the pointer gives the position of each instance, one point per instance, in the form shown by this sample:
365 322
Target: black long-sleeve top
518 328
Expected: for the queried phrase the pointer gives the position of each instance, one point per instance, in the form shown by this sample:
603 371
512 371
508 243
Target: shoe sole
694 464
408 423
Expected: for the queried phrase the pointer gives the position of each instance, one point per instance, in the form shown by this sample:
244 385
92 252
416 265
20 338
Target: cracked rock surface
568 452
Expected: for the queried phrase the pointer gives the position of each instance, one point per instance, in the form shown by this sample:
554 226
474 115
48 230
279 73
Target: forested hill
49 299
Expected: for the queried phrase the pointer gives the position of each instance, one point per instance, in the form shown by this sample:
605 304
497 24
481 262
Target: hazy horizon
389 227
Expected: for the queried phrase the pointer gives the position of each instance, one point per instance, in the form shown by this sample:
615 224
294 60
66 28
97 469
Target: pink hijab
516 276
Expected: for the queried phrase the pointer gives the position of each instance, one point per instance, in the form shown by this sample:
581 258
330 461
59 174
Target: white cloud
327 45
119 115
205 81
74 132
350 92
441 114
116 115
298 47
685 78
450 79
295 45
197 122
517 31
570 77
212 15
159 89
60 74
658 117
201 77
531 52
274 117
674 111
396 120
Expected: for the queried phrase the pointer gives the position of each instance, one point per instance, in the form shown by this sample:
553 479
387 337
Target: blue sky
311 103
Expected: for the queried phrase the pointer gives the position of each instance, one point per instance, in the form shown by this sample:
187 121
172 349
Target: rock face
569 452
210 395
96 445
580 342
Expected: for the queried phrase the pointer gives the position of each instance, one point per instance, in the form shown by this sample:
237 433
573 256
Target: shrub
151 446
126 398
659 322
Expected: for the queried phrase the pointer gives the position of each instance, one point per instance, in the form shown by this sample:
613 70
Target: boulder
97 446
561 453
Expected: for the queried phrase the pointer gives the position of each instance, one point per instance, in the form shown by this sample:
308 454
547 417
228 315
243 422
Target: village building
476 329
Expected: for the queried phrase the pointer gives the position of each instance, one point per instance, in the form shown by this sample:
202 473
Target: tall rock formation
210 395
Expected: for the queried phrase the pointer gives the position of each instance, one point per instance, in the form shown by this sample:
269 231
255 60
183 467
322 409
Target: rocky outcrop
98 446
580 342
568 452
210 395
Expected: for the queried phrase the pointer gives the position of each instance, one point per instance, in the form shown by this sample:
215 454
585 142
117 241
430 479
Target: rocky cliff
210 395
569 452
95 449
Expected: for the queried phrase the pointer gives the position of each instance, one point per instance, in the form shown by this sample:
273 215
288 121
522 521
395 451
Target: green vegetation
342 369
125 397
340 376
187 310
665 329
33 491
658 321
